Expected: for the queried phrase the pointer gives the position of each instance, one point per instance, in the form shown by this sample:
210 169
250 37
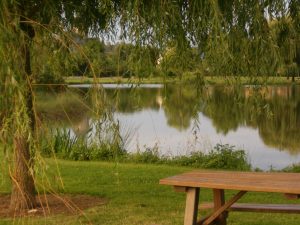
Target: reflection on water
178 119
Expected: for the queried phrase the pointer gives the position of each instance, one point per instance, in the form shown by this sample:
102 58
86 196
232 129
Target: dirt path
53 204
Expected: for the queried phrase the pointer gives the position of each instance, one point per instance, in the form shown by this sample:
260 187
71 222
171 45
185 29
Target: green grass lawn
189 78
135 197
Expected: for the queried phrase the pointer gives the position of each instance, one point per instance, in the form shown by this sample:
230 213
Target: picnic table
219 181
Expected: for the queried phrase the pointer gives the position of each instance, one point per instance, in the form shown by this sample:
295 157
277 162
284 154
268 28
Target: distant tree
174 61
90 58
288 40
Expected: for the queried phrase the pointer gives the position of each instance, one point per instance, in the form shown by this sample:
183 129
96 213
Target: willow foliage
234 37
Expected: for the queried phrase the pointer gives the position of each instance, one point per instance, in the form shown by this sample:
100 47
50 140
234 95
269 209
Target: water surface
178 119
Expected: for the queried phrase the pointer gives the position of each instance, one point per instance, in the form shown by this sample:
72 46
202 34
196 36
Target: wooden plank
180 189
191 208
224 207
201 221
248 181
253 207
291 196
219 201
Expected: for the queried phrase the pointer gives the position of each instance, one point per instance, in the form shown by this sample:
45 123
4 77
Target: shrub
295 168
150 155
107 152
220 157
47 76
226 157
67 146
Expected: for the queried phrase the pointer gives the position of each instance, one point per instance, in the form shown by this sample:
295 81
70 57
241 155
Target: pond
178 119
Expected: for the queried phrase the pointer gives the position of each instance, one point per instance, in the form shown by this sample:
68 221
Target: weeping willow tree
232 37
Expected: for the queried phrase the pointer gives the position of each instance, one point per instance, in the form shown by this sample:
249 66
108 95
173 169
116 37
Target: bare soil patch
53 204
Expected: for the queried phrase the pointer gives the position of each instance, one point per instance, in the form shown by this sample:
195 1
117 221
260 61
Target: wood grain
247 181
219 201
191 208
253 207
224 207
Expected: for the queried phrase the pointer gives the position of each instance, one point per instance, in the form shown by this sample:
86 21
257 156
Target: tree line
92 57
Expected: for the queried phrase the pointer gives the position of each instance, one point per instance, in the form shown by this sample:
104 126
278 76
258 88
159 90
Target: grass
135 197
188 78
118 80
66 146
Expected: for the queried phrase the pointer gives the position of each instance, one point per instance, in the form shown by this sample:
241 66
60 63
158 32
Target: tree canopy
233 37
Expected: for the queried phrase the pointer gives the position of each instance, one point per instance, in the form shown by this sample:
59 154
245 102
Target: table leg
191 208
219 211
219 201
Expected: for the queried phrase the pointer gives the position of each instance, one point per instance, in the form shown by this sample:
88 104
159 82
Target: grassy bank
185 79
135 197
62 145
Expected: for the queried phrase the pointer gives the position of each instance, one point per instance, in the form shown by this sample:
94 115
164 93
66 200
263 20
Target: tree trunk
23 191
23 186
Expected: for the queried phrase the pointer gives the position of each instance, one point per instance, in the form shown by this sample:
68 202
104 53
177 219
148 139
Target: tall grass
66 145
220 157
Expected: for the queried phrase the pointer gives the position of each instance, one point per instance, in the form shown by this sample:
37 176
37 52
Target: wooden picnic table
218 181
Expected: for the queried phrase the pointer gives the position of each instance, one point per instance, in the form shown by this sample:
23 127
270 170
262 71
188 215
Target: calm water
179 119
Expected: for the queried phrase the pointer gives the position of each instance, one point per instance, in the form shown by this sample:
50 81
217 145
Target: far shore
228 80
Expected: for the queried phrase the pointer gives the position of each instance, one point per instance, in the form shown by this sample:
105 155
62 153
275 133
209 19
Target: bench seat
253 207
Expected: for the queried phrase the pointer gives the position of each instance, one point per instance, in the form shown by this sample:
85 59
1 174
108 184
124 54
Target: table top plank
246 181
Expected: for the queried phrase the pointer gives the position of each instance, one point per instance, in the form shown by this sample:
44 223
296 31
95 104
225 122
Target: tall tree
21 20
207 25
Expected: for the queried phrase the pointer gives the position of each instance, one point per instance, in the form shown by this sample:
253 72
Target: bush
67 146
150 155
220 157
48 77
171 73
225 157
107 152
295 168
292 70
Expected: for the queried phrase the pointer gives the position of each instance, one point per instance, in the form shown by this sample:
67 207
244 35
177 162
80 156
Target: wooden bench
219 181
253 207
